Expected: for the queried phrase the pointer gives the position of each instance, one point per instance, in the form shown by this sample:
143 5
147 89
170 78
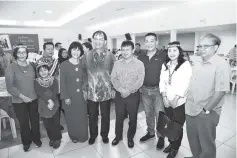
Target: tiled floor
226 142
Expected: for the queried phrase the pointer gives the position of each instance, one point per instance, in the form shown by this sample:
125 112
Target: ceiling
118 9
35 10
26 11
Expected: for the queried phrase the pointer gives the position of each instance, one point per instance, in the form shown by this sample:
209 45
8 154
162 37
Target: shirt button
78 90
77 80
76 69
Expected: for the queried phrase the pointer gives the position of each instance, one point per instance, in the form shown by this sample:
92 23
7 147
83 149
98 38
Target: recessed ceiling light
119 9
48 11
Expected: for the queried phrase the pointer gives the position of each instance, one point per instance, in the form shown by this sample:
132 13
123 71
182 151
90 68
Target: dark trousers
93 108
201 132
131 104
177 115
52 126
28 113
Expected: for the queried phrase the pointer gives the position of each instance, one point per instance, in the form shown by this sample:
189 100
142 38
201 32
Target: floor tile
67 145
86 152
231 142
119 151
42 152
141 155
154 153
4 153
223 134
226 152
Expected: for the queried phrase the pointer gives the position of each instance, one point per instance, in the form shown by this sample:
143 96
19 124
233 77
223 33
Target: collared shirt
138 53
207 78
128 75
152 67
55 55
179 82
99 68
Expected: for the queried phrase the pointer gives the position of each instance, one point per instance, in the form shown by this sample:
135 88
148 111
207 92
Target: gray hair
215 39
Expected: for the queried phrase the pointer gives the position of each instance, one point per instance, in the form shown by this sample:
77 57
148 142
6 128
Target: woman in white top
174 82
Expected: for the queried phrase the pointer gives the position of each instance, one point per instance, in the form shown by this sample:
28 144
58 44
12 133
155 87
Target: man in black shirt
151 97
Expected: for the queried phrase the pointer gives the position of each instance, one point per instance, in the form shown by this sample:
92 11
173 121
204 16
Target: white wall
59 35
187 40
228 39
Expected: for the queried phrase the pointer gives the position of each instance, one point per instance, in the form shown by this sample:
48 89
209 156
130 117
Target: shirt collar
156 54
132 59
212 60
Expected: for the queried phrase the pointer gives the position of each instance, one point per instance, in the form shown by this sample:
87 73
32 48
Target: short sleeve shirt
207 78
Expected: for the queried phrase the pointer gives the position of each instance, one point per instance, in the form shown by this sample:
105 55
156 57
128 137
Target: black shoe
130 143
160 143
51 143
91 141
57 144
116 141
172 153
167 149
105 140
26 147
61 127
146 137
38 144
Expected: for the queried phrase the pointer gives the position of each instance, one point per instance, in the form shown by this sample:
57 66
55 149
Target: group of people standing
81 83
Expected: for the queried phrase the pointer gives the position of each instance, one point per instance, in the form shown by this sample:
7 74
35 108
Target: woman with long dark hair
20 76
73 81
174 82
62 55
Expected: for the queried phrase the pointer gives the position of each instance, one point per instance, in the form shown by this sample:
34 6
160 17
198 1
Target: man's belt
151 87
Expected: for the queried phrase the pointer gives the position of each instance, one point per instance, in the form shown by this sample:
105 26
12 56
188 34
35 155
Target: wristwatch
206 111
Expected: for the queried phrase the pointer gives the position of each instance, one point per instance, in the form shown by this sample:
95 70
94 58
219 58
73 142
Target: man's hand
25 99
113 93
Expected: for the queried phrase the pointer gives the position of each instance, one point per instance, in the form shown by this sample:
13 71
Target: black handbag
168 128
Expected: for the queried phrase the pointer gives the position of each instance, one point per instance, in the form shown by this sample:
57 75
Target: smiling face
127 52
76 52
99 41
43 72
64 54
150 43
173 53
49 50
21 54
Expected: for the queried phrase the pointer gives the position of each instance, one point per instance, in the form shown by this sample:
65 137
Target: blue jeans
153 103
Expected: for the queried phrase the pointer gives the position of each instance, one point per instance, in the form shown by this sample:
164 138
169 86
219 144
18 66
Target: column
173 35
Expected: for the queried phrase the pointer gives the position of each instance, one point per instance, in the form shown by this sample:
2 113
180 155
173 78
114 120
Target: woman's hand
68 101
25 98
85 95
174 101
165 100
50 104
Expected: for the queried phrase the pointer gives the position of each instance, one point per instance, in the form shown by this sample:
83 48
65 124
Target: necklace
23 69
170 75
45 82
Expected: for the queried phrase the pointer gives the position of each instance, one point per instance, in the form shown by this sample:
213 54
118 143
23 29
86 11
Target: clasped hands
50 104
173 102
124 93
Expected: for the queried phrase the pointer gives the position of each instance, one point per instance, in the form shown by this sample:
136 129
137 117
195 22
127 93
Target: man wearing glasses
99 93
209 84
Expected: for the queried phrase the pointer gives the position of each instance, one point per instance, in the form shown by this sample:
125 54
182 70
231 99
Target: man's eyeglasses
204 46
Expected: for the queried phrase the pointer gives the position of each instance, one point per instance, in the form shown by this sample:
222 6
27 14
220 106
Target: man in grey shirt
209 84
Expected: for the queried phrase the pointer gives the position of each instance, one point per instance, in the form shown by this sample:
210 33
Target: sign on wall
29 40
